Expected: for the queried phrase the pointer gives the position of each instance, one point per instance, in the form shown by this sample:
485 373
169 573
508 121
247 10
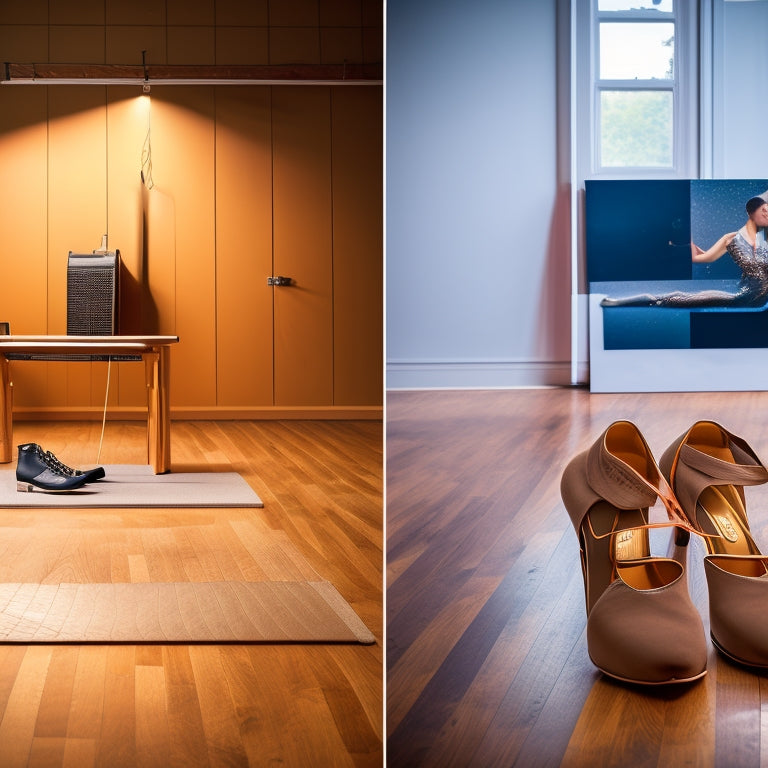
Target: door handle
279 280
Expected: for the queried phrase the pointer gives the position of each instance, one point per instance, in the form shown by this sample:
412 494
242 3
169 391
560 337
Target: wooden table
153 350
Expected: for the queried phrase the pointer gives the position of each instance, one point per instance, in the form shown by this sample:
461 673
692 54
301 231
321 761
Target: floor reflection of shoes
34 472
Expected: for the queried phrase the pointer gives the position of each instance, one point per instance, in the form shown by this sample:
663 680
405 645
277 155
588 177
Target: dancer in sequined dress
749 250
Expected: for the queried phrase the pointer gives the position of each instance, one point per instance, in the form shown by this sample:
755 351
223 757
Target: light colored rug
208 612
136 576
131 485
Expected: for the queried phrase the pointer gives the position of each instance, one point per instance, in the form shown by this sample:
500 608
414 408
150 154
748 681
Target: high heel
641 624
708 467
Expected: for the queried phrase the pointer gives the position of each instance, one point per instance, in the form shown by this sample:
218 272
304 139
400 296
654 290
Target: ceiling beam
167 74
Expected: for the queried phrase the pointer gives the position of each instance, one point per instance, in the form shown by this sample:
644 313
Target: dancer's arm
713 253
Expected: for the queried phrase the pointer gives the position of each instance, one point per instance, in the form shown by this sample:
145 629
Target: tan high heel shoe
708 468
641 624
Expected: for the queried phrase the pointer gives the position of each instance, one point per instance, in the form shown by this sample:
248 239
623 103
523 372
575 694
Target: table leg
156 364
6 412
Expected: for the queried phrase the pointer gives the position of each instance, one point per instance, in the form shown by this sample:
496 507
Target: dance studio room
192 473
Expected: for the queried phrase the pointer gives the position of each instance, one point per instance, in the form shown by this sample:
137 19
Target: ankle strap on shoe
697 470
721 472
614 480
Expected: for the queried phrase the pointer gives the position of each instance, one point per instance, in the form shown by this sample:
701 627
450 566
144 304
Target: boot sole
24 486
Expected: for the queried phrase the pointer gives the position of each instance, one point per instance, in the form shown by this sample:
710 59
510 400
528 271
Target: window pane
635 5
636 50
636 129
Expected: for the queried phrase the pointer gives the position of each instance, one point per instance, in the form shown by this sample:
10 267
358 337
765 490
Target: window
633 108
642 120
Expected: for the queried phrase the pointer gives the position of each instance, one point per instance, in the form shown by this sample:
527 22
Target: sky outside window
630 51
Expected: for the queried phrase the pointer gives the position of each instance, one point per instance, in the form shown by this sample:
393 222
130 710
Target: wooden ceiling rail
168 74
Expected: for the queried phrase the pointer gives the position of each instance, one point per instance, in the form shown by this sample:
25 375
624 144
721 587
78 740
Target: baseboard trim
304 412
455 374
190 413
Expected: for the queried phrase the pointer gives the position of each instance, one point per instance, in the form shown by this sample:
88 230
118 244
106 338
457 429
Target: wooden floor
486 654
218 705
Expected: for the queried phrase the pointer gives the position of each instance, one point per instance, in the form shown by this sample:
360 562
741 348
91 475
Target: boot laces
56 465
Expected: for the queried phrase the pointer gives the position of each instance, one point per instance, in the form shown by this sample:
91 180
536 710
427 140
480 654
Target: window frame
683 86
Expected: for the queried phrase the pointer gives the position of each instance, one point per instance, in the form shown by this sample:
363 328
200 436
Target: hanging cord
104 416
146 151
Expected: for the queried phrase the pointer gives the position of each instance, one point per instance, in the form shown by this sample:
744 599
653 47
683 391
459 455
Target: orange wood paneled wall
249 182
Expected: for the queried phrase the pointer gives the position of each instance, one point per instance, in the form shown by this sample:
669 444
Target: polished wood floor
217 705
486 653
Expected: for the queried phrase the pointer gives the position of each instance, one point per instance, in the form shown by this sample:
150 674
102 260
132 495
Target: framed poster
677 274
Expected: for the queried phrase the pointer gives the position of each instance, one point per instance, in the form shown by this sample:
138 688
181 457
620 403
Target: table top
54 343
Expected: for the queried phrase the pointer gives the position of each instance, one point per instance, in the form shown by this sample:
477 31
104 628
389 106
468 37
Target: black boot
59 466
33 471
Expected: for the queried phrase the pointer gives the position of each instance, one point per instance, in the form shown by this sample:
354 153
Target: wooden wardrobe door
182 212
301 129
77 218
128 122
23 227
244 246
357 246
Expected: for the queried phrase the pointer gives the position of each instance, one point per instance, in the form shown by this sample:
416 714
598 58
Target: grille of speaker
93 290
93 293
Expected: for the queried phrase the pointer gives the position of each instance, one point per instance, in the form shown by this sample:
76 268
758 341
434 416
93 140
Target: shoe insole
650 574
723 508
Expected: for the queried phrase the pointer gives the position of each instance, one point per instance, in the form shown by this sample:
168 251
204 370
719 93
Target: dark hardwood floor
487 662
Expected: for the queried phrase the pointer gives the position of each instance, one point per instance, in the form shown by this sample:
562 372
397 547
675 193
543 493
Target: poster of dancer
677 275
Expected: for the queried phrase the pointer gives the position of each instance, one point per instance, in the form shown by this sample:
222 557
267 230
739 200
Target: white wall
739 104
477 227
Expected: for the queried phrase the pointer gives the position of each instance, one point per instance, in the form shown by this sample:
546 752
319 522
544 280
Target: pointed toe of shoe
652 637
91 475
